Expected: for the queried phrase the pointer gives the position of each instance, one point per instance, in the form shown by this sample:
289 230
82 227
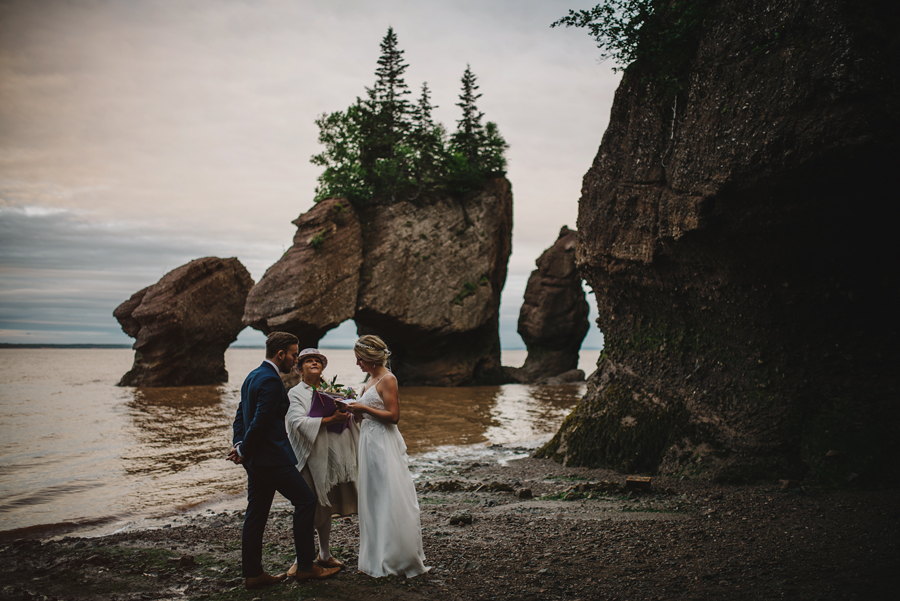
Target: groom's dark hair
279 341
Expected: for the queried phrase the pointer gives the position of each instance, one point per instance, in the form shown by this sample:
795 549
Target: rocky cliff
425 275
183 324
553 320
739 240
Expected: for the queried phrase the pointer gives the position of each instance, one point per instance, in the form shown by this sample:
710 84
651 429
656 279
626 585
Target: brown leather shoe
262 581
316 573
331 562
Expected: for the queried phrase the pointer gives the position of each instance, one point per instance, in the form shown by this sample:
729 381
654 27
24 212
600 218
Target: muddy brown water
76 450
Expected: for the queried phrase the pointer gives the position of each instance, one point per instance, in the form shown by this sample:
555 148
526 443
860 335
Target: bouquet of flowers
336 389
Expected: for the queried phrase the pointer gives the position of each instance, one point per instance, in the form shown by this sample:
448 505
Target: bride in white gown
390 532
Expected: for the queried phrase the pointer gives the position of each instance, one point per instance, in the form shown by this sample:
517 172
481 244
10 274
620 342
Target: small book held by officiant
325 405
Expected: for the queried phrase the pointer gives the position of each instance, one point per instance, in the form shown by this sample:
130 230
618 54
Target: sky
137 135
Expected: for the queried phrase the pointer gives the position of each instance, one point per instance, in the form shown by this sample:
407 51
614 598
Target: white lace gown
390 531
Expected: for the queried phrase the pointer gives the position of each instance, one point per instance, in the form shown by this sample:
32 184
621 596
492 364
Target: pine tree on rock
384 148
476 151
386 121
469 132
493 149
427 141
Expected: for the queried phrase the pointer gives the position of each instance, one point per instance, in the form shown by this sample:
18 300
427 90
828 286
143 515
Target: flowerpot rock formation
739 237
423 274
183 324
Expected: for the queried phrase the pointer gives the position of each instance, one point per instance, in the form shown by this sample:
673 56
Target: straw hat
312 352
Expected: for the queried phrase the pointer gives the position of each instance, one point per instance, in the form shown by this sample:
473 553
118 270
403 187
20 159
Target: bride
390 532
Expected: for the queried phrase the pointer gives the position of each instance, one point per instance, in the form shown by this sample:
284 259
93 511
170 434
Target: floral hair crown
371 348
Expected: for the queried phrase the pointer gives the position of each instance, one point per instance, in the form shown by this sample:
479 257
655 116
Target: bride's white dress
390 532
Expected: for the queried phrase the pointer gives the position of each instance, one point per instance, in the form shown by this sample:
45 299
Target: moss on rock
622 428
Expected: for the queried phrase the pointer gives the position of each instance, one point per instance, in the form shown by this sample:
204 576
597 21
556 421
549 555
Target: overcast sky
136 135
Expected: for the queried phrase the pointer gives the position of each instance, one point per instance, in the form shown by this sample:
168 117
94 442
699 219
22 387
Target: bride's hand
355 408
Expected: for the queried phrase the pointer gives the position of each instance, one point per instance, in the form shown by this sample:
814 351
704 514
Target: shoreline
421 465
581 537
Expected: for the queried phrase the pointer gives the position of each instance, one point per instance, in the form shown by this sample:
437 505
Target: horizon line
90 345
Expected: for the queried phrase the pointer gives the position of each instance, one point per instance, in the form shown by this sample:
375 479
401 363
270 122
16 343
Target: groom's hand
234 457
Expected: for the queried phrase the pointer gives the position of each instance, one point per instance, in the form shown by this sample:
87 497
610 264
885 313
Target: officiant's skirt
344 499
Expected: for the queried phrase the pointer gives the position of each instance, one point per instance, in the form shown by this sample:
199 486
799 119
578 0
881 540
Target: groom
261 445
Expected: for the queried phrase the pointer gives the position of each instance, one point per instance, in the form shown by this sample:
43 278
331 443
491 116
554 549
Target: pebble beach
517 529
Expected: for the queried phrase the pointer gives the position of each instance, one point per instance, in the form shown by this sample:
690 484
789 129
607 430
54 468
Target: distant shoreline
31 345
38 345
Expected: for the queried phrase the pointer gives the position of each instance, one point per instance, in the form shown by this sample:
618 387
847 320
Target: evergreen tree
469 132
492 151
385 121
476 151
382 146
427 142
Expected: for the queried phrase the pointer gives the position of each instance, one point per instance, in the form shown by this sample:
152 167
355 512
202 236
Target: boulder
183 324
739 239
423 274
553 320
573 376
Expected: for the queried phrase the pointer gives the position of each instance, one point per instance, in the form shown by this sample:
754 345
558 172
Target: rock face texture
313 287
553 320
183 324
424 275
739 242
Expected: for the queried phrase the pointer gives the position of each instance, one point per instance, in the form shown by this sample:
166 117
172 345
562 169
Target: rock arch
426 275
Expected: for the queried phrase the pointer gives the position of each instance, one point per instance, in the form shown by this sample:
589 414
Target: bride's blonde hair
372 348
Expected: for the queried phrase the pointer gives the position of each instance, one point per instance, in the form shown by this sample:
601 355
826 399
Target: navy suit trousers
262 482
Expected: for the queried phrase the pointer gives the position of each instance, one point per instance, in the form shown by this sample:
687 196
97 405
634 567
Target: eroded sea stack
183 324
740 241
553 320
424 274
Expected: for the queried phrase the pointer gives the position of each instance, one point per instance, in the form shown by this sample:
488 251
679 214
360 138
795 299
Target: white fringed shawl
331 458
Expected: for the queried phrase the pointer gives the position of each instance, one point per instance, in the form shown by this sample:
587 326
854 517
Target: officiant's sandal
331 562
316 573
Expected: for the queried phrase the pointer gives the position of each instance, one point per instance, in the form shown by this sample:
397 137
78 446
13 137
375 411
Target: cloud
62 275
139 135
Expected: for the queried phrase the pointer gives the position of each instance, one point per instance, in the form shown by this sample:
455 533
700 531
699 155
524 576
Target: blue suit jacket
259 423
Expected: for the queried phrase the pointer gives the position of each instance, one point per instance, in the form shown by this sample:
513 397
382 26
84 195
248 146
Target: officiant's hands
339 417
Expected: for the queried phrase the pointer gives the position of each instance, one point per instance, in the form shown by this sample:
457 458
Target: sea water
78 451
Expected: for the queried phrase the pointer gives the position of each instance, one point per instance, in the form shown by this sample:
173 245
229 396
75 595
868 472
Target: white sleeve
302 430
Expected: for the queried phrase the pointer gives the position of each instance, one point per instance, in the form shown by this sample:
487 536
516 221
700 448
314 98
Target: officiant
325 440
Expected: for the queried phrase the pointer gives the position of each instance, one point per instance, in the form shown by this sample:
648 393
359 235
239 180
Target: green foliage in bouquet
385 148
337 389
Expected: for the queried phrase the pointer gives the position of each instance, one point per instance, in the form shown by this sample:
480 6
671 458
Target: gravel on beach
526 529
